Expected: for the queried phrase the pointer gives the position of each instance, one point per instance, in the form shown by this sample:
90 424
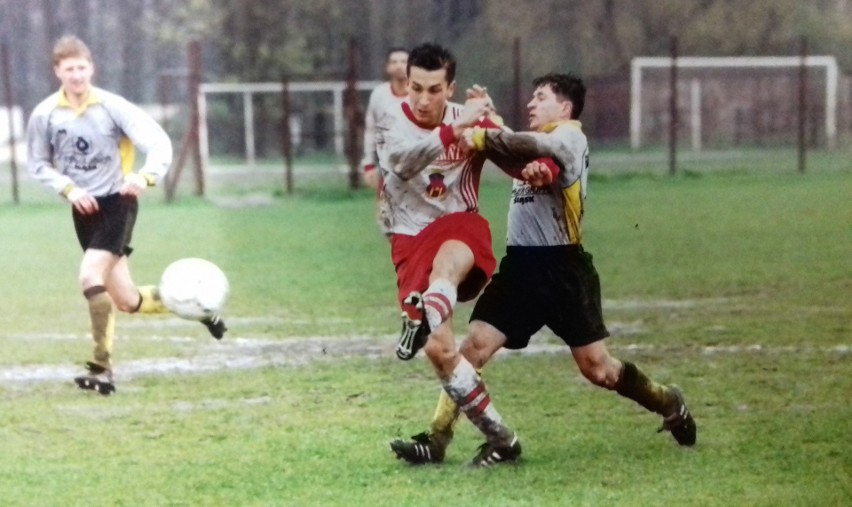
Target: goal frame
637 64
248 90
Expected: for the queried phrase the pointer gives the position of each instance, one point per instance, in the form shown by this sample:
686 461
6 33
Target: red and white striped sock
439 301
468 390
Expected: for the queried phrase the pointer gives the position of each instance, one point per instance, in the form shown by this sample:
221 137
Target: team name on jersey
451 155
526 194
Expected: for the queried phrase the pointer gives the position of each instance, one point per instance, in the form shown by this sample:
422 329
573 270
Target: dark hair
568 86
431 56
395 49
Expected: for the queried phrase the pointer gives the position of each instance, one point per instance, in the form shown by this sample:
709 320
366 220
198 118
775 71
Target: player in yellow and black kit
80 143
546 277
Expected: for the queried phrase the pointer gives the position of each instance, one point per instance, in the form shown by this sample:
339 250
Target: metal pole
635 104
803 103
7 98
286 143
517 110
248 126
695 113
194 86
673 117
354 117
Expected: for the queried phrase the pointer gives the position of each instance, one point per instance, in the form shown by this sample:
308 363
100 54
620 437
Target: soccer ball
194 288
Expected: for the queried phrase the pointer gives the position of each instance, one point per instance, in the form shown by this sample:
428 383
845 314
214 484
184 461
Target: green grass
734 284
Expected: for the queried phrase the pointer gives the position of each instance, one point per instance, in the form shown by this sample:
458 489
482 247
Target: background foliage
135 41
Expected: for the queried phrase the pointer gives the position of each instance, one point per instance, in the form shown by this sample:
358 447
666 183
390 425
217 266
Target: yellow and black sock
446 416
444 420
102 316
635 385
149 300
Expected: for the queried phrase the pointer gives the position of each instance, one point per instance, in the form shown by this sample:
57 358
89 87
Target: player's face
396 65
75 74
428 93
546 107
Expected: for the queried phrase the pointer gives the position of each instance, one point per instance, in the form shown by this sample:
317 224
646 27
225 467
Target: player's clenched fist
537 174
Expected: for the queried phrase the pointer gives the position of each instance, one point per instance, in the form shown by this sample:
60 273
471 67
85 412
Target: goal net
241 127
733 101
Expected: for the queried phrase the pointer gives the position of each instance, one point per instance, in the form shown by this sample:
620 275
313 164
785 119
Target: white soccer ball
194 288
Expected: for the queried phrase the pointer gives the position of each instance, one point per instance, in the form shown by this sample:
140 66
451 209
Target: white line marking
246 353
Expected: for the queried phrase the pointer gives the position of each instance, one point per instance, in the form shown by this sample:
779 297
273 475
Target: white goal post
247 90
829 63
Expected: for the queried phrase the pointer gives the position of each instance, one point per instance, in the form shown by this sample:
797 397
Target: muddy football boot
422 449
98 379
490 454
415 332
215 325
680 422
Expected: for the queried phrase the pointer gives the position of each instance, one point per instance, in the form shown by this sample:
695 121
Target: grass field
735 284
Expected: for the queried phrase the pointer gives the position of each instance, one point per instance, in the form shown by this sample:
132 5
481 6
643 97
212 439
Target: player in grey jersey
546 277
80 143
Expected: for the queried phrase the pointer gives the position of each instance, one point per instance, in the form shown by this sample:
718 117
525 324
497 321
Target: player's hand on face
537 174
134 184
474 109
476 92
82 201
481 92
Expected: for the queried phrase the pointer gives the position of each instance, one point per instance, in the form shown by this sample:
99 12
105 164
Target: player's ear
567 109
451 89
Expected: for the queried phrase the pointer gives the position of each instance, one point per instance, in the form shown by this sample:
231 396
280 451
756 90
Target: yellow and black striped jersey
552 215
93 147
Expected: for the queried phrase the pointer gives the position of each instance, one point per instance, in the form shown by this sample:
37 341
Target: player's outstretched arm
406 158
512 151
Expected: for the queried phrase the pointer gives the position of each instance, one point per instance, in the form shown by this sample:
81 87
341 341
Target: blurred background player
546 277
80 143
440 244
388 95
384 98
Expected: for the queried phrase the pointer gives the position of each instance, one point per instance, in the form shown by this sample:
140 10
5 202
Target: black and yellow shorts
111 228
555 286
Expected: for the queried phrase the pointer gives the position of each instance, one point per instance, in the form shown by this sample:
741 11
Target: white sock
439 301
468 390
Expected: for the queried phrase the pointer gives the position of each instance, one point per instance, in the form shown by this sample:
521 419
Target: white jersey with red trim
382 102
425 174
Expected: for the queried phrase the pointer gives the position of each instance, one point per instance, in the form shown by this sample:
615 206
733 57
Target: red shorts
413 255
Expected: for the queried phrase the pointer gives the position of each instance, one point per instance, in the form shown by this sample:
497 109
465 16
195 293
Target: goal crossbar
642 62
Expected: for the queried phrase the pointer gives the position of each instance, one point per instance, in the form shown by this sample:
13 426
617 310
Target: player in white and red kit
440 244
384 98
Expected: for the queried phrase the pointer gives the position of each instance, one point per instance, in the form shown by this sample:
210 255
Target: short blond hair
70 46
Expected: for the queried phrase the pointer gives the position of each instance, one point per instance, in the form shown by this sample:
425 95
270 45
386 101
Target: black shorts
111 228
557 287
